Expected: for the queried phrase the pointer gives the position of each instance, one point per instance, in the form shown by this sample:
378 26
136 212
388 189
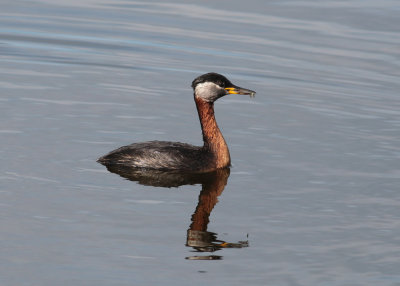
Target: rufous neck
212 136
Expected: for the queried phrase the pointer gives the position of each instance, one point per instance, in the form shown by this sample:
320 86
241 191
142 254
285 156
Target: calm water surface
312 197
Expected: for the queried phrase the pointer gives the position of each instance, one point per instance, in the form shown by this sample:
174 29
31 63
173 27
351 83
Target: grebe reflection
213 184
198 237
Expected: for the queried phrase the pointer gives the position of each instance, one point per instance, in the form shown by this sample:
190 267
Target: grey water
313 194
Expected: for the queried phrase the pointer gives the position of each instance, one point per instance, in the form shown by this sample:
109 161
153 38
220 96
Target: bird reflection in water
213 185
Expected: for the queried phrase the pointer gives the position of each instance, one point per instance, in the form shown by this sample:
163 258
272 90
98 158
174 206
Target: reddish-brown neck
214 142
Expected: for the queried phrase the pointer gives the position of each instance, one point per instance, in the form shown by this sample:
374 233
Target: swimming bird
176 156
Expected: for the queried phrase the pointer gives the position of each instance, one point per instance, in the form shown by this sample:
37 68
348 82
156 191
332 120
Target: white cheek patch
208 91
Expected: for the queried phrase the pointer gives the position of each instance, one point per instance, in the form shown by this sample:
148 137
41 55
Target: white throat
208 91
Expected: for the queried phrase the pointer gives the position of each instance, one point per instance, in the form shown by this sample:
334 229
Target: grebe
176 156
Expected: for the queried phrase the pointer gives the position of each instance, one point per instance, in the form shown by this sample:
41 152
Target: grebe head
211 86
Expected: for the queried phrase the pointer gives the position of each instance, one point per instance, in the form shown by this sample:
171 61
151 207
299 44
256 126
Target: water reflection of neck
211 189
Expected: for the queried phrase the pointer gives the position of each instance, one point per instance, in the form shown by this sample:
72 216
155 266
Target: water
314 187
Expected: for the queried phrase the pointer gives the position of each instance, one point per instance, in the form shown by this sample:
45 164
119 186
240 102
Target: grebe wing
155 155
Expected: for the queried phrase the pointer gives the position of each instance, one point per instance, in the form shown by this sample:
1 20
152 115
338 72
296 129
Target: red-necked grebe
161 155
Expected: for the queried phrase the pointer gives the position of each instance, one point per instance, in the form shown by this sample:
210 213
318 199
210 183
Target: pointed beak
240 90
